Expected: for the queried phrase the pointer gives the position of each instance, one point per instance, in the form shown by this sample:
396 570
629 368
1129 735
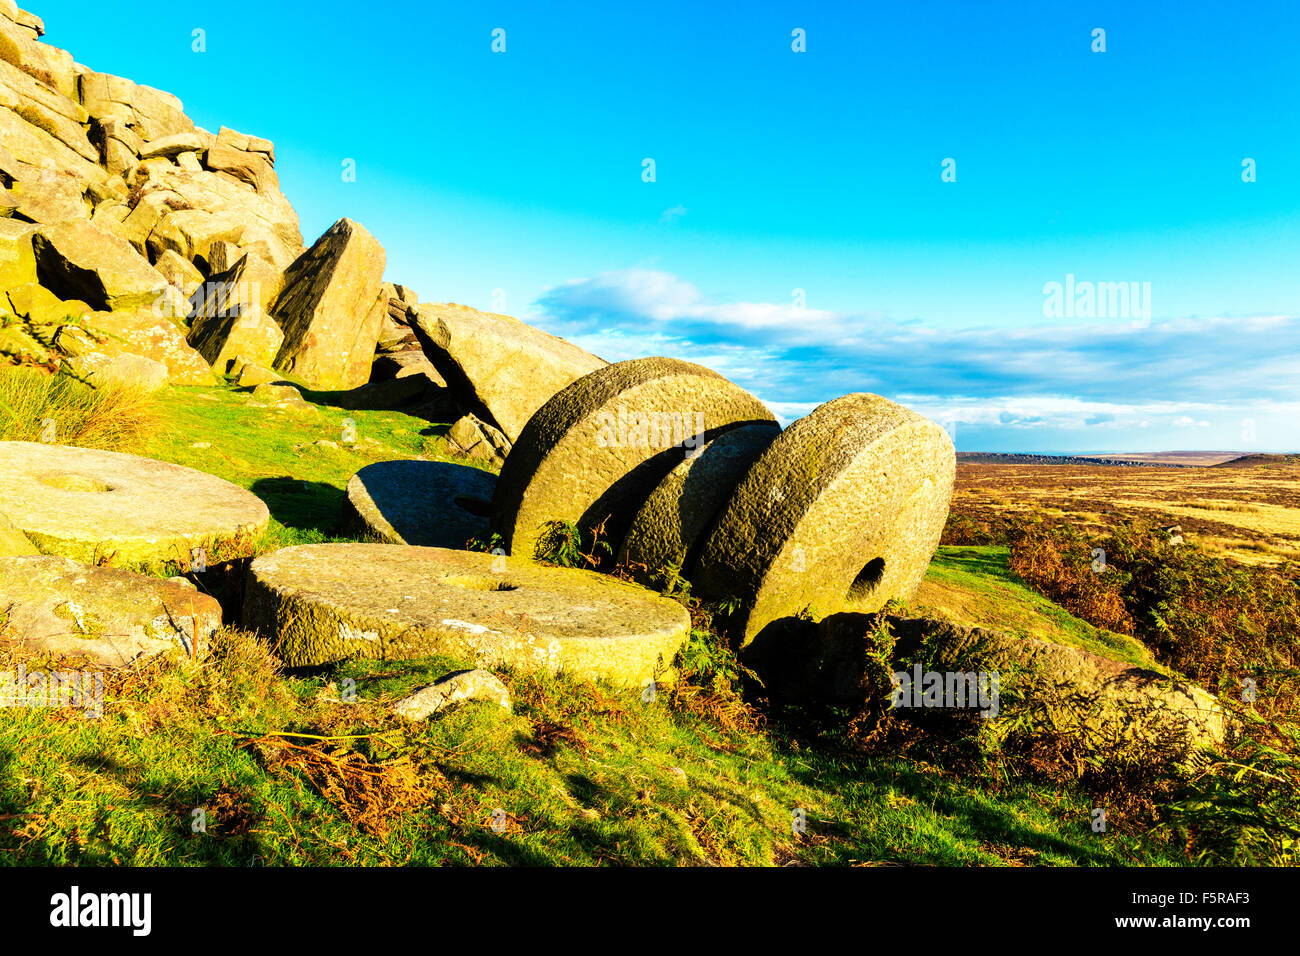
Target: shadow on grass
311 506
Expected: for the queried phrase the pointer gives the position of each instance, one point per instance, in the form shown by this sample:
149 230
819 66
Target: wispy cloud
1181 375
674 212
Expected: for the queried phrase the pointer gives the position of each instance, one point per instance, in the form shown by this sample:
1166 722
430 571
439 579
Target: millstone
595 451
668 529
430 503
81 503
327 602
60 606
841 513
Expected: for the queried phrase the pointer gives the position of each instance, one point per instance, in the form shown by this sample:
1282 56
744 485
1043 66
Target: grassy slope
582 774
971 585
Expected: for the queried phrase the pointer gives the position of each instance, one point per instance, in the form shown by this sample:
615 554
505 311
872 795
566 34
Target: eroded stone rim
140 506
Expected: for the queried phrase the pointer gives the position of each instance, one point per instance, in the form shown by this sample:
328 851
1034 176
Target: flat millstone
60 606
670 526
600 446
433 504
843 512
327 602
80 503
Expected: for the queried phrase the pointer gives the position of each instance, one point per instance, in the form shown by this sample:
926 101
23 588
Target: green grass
581 774
971 585
272 452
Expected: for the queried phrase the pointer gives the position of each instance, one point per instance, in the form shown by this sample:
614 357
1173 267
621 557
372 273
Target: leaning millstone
13 542
87 504
841 513
329 602
594 452
430 503
670 526
455 688
59 606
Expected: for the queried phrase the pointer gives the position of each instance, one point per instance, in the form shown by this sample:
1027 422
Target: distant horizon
816 201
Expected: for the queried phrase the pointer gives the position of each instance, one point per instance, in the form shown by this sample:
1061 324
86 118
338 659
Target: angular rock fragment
330 309
79 260
508 368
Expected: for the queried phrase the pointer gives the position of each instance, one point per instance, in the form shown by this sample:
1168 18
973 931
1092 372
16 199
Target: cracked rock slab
108 616
328 602
80 503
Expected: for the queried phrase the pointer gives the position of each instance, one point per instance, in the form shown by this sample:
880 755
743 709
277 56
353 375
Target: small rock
453 689
277 394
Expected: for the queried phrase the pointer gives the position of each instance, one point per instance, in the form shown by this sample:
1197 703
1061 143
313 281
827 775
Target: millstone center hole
867 579
66 482
479 582
475 506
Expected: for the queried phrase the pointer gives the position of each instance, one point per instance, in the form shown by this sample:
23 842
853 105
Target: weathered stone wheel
843 511
595 451
670 526
81 503
327 602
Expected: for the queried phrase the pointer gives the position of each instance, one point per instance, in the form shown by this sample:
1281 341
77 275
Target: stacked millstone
688 475
81 507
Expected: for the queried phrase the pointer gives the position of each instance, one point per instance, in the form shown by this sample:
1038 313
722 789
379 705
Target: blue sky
514 182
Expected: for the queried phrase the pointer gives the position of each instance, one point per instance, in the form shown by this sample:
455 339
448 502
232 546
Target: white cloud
1083 377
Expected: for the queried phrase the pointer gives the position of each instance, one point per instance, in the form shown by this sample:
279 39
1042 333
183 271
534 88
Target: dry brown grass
1248 514
112 417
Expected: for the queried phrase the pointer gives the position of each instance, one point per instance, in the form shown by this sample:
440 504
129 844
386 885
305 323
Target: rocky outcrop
112 201
331 308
